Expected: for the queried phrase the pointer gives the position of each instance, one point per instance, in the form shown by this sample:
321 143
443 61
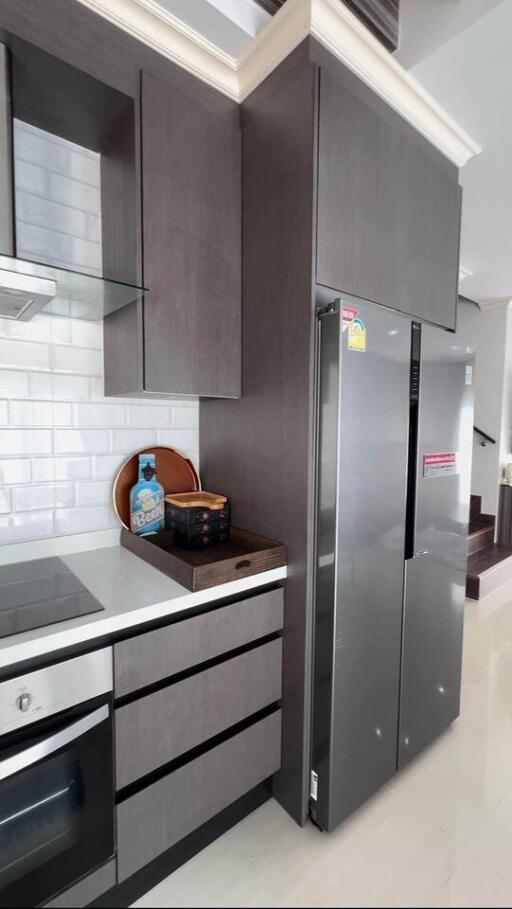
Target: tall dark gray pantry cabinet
338 190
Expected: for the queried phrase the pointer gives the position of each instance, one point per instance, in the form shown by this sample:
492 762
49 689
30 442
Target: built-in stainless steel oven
56 777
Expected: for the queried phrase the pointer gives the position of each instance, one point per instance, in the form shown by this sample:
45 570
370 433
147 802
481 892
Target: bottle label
147 511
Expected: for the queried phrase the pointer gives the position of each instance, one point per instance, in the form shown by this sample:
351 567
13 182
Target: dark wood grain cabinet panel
180 717
156 655
191 176
184 163
160 815
388 205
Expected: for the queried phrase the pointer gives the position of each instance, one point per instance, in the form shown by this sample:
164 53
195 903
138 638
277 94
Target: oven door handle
35 753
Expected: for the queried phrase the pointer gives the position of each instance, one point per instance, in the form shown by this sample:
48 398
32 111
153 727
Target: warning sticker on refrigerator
348 315
357 335
439 464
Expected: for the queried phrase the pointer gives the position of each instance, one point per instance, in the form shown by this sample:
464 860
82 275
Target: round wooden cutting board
173 471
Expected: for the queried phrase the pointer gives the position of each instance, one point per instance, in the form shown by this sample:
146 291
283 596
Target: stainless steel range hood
29 287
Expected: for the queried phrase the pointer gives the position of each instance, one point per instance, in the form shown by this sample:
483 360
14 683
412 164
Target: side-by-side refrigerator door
436 544
363 404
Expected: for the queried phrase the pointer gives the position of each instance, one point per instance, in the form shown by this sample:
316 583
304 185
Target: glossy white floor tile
439 835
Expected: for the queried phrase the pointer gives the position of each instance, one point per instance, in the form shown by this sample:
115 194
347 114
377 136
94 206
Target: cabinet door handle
245 563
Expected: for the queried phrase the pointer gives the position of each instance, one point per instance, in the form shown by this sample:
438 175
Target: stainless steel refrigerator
394 441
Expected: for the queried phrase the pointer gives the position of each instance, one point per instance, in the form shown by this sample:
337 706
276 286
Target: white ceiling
229 24
427 24
471 76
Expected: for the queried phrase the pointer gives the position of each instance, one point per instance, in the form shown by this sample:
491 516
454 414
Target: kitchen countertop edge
47 640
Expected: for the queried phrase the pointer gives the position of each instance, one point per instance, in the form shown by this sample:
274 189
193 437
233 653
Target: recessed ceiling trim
173 38
330 21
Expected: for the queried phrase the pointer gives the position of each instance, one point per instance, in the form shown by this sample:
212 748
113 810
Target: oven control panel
47 691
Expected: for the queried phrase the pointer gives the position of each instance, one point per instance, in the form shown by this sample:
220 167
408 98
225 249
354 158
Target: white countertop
131 592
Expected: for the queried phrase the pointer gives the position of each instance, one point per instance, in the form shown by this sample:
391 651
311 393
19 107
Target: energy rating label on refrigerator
439 464
357 335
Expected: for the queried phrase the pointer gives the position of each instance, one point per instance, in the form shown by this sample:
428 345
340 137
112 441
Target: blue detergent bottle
147 499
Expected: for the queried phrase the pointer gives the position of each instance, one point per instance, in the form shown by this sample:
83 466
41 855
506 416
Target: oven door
56 803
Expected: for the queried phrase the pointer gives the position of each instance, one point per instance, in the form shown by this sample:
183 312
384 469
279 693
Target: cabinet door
388 206
163 813
178 718
191 176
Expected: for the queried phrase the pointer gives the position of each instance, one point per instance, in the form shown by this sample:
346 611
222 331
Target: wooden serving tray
243 555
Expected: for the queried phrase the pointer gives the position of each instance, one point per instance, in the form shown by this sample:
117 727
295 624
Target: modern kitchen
236 430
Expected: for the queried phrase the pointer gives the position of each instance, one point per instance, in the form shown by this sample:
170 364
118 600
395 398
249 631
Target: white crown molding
486 305
464 273
330 21
169 36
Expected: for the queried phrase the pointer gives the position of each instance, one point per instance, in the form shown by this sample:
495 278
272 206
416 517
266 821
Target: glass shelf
75 294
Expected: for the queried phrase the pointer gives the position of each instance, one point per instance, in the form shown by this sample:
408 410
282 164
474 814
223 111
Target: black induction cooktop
39 593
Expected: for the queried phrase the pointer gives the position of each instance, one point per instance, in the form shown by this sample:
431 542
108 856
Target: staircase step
487 570
475 507
480 536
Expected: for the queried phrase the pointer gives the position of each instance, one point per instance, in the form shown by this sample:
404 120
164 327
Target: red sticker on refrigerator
349 315
439 464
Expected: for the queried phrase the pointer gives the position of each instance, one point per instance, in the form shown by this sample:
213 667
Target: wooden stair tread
477 527
487 559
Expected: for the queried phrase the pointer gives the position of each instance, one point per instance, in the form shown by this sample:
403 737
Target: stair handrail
485 437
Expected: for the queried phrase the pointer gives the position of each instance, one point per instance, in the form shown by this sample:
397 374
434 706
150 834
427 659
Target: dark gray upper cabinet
185 339
191 177
388 205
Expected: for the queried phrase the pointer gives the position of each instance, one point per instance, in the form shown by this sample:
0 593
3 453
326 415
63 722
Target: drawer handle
245 563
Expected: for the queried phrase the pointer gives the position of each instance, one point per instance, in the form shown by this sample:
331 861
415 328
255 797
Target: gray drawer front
161 726
161 815
153 656
87 890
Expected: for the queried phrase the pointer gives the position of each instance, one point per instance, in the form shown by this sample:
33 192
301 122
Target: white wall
490 333
61 441
428 24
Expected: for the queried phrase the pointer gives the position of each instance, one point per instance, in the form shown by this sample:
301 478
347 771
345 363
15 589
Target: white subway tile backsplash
24 355
131 439
95 493
146 415
61 440
49 245
84 196
87 334
5 500
78 441
13 384
25 441
58 387
40 413
48 470
81 520
99 414
15 528
15 470
76 360
34 498
53 153
106 466
73 468
43 470
182 439
30 177
36 210
185 417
